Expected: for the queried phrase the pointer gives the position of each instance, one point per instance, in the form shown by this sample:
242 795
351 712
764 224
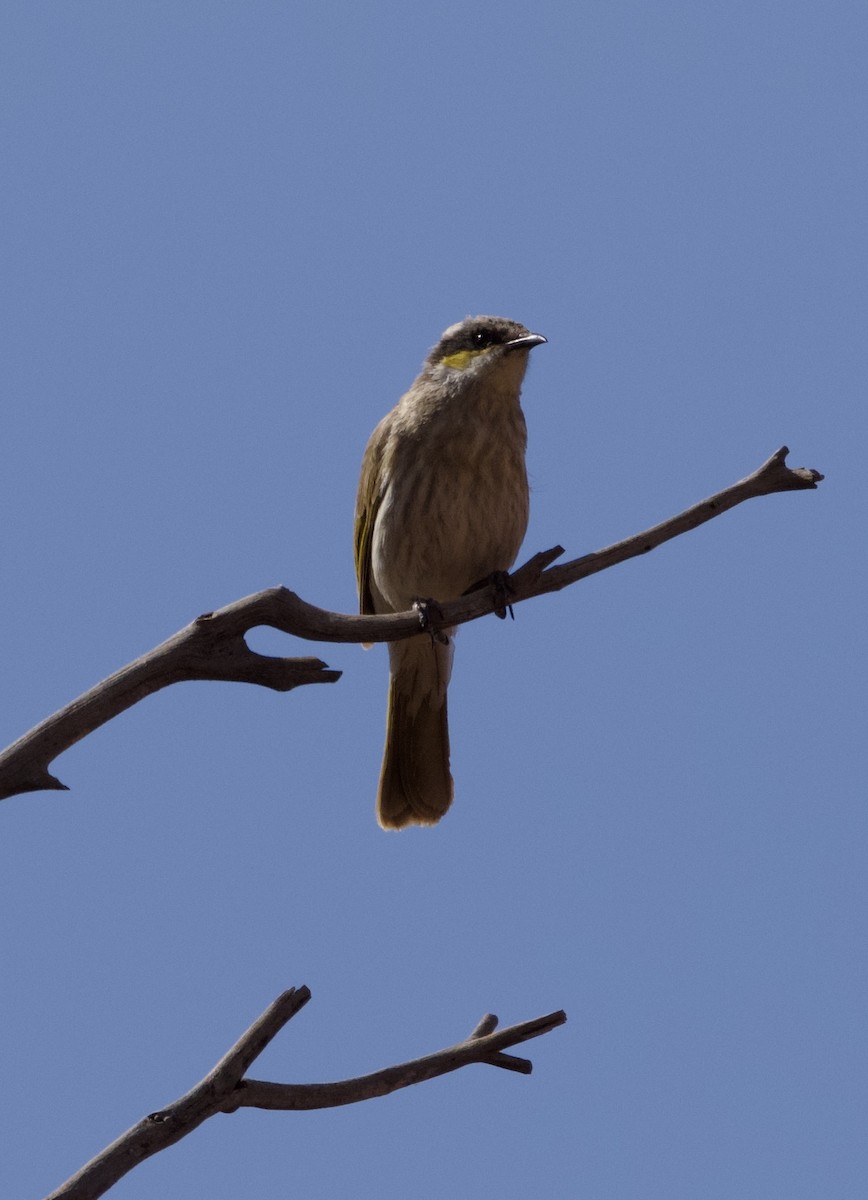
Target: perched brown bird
442 505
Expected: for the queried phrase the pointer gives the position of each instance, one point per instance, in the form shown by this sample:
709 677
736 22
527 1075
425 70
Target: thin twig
254 1093
224 1090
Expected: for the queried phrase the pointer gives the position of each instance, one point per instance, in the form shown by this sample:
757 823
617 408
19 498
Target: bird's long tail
415 783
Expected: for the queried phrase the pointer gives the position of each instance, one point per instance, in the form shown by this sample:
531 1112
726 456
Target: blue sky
230 234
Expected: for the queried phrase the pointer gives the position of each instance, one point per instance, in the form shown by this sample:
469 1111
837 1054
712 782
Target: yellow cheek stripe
461 358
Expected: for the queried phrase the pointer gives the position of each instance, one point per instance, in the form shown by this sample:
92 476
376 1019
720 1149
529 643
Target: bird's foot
430 618
501 590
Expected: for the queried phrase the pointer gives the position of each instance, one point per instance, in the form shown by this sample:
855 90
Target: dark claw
499 583
430 617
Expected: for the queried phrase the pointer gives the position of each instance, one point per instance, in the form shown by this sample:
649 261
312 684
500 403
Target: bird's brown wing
367 506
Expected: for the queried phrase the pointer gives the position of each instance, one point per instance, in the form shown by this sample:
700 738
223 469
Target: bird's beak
526 343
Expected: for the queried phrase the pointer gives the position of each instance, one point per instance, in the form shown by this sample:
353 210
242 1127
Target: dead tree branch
224 1089
213 646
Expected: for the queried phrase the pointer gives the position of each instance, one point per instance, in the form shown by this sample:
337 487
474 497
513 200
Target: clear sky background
230 234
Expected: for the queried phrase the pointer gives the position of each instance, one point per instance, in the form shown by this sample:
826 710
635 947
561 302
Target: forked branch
213 646
224 1089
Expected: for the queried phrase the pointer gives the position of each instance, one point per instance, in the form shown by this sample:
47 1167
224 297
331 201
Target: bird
442 506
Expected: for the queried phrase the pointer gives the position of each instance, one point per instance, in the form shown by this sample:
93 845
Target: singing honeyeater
442 505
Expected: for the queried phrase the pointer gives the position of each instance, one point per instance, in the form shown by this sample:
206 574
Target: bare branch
164 1128
284 610
209 648
253 1093
224 1090
213 646
773 476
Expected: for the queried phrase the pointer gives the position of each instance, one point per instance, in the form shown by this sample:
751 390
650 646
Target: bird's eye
481 339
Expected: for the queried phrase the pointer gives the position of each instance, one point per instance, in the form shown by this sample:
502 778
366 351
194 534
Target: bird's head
490 349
